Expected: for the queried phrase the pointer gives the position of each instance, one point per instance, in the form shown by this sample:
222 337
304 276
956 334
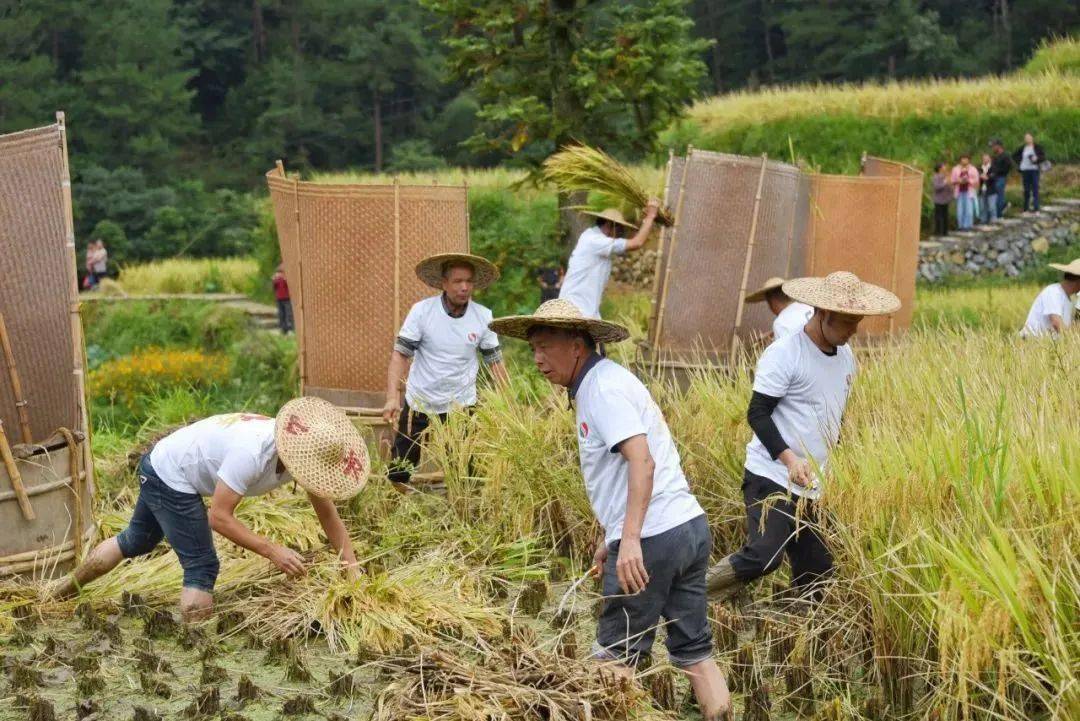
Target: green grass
1058 55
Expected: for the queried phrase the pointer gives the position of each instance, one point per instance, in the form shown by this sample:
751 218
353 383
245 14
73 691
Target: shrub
116 329
126 380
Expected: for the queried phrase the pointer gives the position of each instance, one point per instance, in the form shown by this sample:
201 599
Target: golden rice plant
582 168
189 275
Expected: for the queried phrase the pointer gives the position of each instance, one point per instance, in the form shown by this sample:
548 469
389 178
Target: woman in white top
225 458
1030 158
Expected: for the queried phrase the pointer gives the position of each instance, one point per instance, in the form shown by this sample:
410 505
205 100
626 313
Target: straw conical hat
321 448
759 295
430 269
559 313
842 292
1072 268
612 214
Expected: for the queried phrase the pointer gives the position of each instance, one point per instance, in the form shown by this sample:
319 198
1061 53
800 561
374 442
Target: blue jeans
999 194
965 211
676 561
162 512
1031 189
987 208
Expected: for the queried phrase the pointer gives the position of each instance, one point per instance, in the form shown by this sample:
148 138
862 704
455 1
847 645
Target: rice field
186 275
952 510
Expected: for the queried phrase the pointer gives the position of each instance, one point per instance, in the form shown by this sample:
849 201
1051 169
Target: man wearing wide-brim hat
790 315
1052 311
655 547
801 388
589 267
436 353
226 458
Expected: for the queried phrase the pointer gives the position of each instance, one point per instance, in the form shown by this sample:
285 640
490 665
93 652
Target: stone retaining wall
1006 246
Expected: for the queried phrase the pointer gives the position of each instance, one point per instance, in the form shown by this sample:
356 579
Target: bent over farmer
1052 311
656 543
801 388
226 458
590 262
791 315
437 348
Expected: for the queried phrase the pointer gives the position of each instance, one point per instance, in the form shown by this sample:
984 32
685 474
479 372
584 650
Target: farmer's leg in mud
811 561
184 520
770 525
405 456
141 536
689 634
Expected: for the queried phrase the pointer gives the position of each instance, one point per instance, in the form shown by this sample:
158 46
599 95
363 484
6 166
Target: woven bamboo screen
721 225
727 239
869 225
350 252
39 292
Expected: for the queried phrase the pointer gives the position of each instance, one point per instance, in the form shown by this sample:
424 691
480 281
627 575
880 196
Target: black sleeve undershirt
759 416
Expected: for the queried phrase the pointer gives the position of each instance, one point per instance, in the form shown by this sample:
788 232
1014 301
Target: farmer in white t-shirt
442 337
655 545
1052 311
801 388
590 263
226 458
791 316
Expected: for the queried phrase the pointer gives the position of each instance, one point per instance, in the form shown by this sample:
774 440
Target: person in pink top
965 182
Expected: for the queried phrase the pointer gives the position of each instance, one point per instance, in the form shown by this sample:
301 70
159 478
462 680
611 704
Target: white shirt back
791 320
445 362
612 405
1052 300
588 271
813 390
236 448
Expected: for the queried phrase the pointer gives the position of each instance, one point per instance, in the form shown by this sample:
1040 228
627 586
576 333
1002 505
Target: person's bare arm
336 533
642 235
1057 323
630 567
399 366
223 520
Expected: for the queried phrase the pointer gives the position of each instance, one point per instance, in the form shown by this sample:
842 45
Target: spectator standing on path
987 206
1000 167
943 195
1030 157
91 281
284 303
550 279
965 182
101 262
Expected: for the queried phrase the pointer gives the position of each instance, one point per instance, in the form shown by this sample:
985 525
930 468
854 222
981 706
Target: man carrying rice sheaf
801 387
437 347
1052 311
791 315
226 458
655 548
590 262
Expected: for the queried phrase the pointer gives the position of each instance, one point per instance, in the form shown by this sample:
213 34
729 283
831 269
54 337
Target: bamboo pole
749 258
76 490
671 254
896 243
468 218
660 242
16 384
791 230
397 254
301 326
77 338
16 478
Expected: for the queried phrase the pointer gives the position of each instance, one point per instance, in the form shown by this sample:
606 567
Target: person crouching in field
801 387
656 542
1052 311
791 315
226 458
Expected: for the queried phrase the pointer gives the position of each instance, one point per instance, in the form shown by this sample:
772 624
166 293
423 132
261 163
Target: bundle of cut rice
579 167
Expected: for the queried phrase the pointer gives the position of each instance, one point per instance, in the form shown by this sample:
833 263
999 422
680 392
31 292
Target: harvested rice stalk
40 709
207 703
246 690
758 703
661 685
212 674
89 684
296 670
435 595
154 686
86 663
159 623
298 705
580 167
191 636
25 676
144 714
511 683
86 708
725 626
533 597
345 686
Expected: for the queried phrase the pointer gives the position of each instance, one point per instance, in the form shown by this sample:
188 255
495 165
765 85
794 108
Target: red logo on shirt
472 337
584 430
353 466
294 426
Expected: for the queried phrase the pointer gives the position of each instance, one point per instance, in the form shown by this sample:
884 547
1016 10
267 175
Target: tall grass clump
189 275
1056 56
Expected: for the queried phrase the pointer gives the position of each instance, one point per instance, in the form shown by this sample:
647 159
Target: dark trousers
999 193
1031 189
405 455
284 315
767 543
941 219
